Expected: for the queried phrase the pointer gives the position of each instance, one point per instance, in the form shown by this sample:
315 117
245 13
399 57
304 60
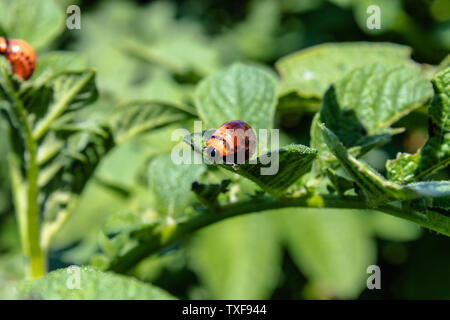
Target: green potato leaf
241 92
60 94
93 285
135 117
37 22
361 107
435 154
180 46
56 61
392 228
309 72
171 184
371 98
376 188
238 258
332 249
294 161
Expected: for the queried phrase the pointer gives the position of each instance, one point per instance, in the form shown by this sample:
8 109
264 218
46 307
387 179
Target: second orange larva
234 141
20 55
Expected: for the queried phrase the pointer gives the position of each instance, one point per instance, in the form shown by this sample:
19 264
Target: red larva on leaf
20 55
232 138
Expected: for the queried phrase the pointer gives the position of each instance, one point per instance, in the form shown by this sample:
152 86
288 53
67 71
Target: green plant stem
35 254
29 222
154 238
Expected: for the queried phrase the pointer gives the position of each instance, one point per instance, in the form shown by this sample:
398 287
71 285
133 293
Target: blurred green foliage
161 50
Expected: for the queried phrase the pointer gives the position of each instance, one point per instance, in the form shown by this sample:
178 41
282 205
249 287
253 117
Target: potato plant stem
29 222
155 238
35 254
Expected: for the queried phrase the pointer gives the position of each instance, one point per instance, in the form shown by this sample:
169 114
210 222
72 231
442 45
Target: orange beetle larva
234 141
20 55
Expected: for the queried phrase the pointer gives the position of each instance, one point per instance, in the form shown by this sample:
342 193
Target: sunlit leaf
241 92
377 188
309 72
369 99
93 285
361 107
435 154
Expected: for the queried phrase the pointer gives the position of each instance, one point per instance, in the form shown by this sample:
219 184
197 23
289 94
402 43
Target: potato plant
69 119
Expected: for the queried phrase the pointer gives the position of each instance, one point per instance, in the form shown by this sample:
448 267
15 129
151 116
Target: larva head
3 45
216 147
